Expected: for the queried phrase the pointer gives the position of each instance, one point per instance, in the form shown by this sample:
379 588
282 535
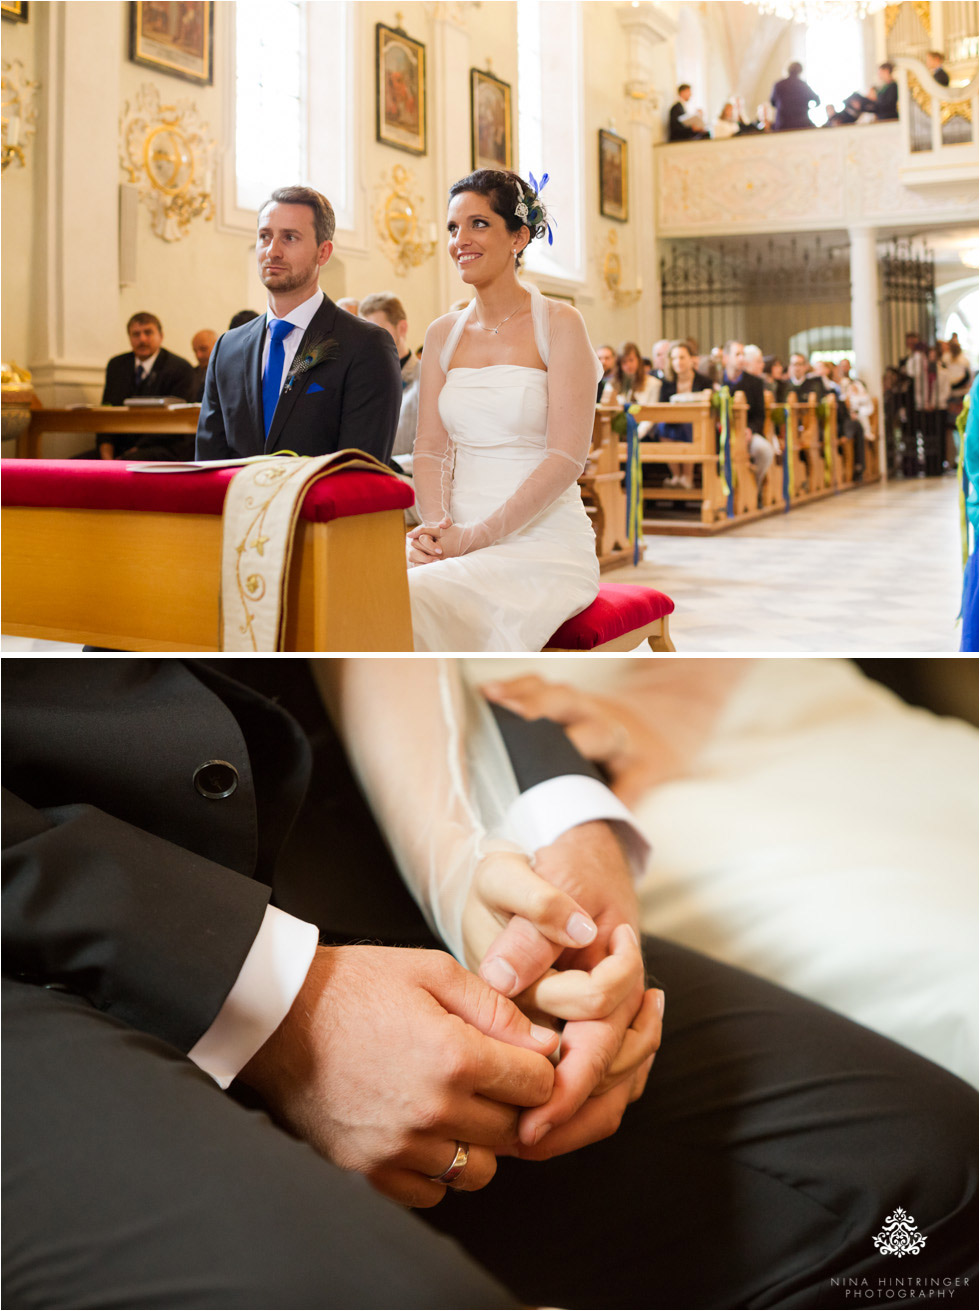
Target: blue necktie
272 378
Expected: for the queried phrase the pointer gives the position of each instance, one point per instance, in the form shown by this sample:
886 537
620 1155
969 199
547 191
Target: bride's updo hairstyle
506 191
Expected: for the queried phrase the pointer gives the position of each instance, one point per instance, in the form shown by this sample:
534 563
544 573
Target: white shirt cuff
270 978
549 809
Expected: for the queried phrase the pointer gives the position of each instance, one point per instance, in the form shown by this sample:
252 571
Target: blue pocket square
314 386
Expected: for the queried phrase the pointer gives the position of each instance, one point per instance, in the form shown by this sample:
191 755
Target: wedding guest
685 124
885 104
792 98
934 62
386 310
660 357
149 369
202 344
683 379
631 383
607 358
755 363
735 378
242 317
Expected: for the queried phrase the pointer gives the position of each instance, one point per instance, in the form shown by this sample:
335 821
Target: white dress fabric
512 594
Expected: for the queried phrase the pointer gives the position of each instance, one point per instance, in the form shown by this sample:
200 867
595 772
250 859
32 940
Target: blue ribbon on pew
634 482
787 461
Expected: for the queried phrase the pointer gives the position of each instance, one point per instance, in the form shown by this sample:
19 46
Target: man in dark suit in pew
149 369
801 381
304 377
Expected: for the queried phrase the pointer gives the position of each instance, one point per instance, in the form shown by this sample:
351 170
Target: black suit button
216 779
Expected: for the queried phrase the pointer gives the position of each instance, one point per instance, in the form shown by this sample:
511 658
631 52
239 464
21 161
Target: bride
505 552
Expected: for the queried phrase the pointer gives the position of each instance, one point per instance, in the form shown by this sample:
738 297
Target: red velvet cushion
619 608
109 485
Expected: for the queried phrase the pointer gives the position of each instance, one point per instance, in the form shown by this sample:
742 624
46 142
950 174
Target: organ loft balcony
919 172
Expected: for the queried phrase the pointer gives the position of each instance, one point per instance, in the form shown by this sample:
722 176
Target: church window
550 128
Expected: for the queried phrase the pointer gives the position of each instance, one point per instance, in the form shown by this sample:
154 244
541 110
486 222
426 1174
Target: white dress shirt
302 316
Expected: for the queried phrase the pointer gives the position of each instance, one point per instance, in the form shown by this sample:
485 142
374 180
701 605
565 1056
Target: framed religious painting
401 90
15 10
490 121
613 176
175 38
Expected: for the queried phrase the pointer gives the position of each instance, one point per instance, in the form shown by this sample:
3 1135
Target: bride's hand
425 542
540 919
614 1022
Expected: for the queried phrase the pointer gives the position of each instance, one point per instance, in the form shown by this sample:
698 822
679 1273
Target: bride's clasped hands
561 939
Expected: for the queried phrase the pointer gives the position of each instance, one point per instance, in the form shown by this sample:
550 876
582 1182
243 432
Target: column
76 243
647 28
866 317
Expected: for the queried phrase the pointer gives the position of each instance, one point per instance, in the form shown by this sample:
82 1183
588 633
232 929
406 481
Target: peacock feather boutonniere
309 356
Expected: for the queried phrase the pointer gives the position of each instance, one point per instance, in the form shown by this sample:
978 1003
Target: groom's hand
613 1022
389 1057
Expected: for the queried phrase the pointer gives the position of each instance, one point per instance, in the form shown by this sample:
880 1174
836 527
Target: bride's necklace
502 321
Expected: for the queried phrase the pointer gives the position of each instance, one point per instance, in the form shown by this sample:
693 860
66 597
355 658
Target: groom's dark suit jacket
126 885
351 397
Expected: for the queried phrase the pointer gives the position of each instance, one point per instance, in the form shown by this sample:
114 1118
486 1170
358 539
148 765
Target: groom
305 377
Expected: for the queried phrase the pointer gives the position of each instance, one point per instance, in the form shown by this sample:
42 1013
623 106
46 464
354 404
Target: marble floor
874 571
870 571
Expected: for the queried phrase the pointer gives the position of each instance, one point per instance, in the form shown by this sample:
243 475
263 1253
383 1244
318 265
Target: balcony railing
868 175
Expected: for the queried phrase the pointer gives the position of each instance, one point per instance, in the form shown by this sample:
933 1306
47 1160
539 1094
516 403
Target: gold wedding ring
457 1167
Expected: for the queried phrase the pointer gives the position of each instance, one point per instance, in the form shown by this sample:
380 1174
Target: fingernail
493 689
542 1035
581 929
632 933
660 1003
500 974
542 1131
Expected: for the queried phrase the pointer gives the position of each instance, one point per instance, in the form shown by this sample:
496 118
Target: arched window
550 128
270 84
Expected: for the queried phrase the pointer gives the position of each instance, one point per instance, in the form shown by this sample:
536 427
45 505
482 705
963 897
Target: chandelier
815 11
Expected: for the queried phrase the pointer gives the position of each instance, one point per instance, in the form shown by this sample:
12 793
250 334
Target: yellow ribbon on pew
722 401
823 418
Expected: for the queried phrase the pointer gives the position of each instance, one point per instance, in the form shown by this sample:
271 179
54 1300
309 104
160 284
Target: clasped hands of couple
391 1058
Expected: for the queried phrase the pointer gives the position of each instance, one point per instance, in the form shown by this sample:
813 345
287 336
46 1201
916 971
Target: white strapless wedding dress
510 596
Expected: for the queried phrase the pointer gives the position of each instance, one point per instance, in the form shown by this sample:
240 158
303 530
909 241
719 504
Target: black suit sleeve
372 397
121 882
147 931
539 749
212 441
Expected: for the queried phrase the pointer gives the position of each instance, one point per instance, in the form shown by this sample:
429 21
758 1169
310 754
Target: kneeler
96 552
619 619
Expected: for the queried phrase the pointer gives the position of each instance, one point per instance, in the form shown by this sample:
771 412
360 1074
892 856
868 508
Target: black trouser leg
773 1141
131 1180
